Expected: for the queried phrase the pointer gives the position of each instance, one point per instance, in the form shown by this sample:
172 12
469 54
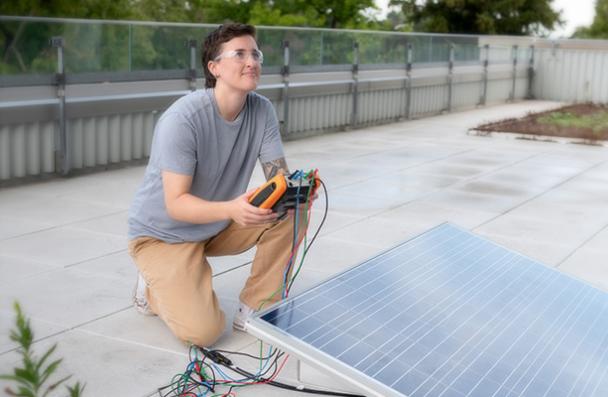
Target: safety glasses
242 55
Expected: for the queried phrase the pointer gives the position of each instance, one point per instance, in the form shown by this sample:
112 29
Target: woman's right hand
245 214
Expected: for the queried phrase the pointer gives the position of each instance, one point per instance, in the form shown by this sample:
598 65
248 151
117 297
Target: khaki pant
179 277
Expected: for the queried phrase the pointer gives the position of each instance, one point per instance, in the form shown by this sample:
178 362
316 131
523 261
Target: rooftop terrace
63 246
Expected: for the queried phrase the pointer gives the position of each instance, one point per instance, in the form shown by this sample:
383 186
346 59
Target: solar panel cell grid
451 314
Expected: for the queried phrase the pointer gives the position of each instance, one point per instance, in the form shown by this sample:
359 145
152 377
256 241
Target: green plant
595 122
34 374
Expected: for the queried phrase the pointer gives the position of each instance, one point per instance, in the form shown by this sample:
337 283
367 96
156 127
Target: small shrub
34 374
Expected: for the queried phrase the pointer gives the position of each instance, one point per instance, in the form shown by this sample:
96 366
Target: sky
575 13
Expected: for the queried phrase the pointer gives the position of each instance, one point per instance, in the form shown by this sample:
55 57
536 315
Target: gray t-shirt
191 138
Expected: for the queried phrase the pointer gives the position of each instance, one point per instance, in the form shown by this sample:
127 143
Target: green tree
24 46
599 27
341 13
315 13
311 13
101 9
395 21
509 17
263 13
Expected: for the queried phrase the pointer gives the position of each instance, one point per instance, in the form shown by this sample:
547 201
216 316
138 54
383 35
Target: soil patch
583 121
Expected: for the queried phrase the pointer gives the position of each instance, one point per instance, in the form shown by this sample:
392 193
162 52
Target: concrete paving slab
380 233
453 170
348 203
42 329
332 254
599 241
8 361
312 159
473 201
525 175
228 286
590 265
117 265
499 188
394 160
15 269
86 357
333 222
63 246
549 253
342 174
127 325
545 207
539 229
428 215
115 194
307 279
397 186
578 194
115 224
489 157
569 157
49 210
67 297
14 226
337 151
420 181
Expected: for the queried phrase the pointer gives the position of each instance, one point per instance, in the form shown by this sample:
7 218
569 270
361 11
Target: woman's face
237 66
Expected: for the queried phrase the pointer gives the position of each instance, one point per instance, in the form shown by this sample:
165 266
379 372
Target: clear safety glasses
241 56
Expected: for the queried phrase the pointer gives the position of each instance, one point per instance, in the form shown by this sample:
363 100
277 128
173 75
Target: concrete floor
63 247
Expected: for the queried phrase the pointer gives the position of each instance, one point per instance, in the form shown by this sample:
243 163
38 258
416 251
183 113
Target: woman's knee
202 331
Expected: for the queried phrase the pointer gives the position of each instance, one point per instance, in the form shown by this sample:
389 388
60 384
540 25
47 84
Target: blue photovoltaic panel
451 314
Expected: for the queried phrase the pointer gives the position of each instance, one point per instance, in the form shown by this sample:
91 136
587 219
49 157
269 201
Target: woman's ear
212 66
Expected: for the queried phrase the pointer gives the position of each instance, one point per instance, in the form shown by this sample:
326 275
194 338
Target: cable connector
218 358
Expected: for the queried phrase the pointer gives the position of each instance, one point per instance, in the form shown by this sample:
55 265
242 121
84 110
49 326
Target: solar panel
449 314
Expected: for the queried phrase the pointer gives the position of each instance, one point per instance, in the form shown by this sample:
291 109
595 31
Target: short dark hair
213 44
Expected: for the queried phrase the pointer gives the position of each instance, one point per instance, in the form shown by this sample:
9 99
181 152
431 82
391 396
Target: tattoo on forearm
273 167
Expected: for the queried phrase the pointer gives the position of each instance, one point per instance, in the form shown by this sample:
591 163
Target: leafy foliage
509 17
101 47
35 373
93 47
314 13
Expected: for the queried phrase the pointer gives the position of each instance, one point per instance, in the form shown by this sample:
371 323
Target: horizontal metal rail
115 127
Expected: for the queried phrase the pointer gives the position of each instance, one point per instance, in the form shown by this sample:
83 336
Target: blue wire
296 224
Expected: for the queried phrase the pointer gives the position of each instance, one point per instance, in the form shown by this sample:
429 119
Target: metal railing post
450 77
408 83
530 94
191 72
355 85
514 73
285 96
130 46
321 44
486 62
554 48
62 157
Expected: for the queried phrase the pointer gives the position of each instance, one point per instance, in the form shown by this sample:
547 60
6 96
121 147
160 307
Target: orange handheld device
267 195
283 193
